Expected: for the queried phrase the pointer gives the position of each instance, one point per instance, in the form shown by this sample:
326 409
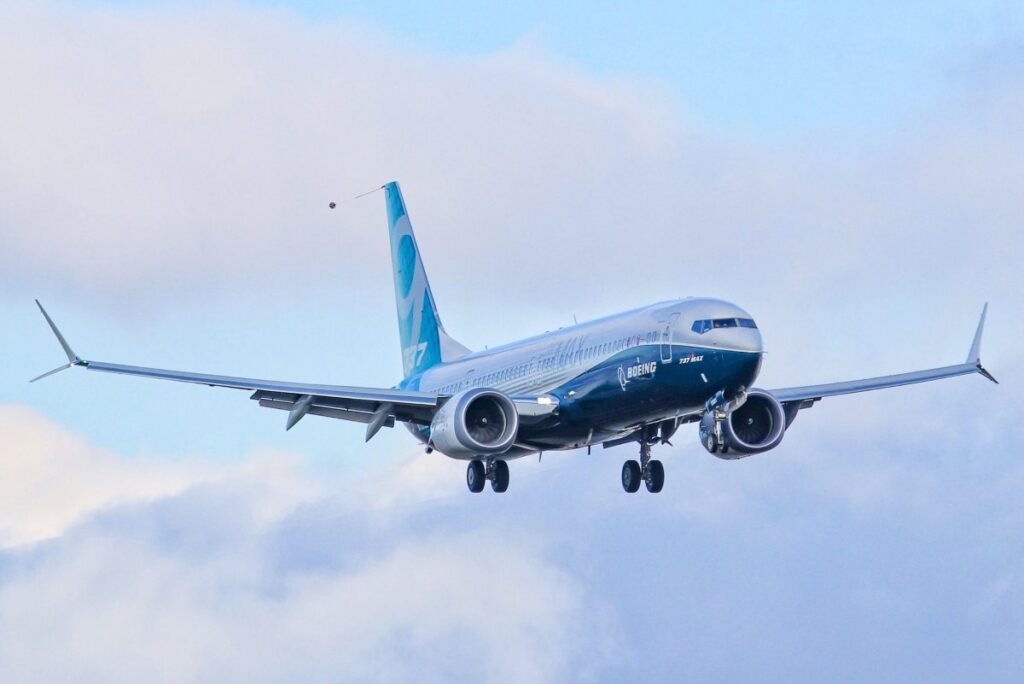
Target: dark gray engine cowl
473 423
757 425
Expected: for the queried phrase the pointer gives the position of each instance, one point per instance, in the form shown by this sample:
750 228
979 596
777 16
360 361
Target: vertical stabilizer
424 340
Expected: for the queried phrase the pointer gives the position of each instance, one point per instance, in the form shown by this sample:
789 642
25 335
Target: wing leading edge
806 396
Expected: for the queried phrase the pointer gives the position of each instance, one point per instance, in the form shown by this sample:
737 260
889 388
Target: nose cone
741 370
744 339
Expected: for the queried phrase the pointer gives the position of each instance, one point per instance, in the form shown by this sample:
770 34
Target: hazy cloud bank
128 569
159 150
830 557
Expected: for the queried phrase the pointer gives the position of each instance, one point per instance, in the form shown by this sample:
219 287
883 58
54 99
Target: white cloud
120 608
53 478
142 569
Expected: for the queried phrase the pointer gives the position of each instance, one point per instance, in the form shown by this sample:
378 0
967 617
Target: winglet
974 356
73 359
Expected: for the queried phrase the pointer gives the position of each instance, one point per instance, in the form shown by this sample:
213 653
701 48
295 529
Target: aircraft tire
631 476
655 479
711 444
500 482
475 476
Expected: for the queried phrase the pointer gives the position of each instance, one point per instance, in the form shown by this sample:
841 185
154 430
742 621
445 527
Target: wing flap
319 409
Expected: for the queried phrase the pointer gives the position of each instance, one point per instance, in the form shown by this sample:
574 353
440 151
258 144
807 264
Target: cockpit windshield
702 326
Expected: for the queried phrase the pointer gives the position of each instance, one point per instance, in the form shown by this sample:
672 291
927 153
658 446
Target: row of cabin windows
611 347
549 363
701 327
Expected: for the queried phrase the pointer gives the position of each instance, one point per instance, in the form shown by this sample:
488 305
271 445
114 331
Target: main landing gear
650 472
477 472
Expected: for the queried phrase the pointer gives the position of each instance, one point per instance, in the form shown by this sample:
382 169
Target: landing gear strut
477 472
650 472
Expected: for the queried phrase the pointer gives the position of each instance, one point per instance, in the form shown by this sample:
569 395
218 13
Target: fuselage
612 375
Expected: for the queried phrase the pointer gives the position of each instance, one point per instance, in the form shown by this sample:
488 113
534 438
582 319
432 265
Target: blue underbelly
645 383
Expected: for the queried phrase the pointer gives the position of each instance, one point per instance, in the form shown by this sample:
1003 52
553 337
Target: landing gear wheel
655 479
475 476
499 482
631 476
711 443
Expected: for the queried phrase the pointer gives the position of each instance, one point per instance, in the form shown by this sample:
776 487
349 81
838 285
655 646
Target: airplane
633 377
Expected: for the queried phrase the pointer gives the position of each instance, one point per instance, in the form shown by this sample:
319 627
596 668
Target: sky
849 173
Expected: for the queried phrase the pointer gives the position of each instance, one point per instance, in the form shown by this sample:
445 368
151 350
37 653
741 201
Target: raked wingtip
73 358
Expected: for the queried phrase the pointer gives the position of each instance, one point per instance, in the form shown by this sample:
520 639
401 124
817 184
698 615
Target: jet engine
757 424
476 422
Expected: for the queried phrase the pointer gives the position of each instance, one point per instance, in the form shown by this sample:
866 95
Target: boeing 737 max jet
632 377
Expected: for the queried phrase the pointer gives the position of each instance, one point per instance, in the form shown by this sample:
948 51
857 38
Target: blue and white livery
633 377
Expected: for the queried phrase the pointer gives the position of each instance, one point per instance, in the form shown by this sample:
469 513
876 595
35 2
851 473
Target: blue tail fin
424 340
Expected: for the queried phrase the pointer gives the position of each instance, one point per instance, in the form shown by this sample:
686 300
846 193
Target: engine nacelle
476 422
756 425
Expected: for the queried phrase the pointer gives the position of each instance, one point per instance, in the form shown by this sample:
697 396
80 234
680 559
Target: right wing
374 407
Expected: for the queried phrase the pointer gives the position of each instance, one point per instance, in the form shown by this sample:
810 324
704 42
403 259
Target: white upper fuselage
541 363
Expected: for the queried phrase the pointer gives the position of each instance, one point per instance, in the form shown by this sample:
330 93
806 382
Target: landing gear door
666 338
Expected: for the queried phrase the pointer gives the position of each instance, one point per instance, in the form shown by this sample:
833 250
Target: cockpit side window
702 326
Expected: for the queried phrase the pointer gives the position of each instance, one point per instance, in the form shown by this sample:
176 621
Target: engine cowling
757 425
475 422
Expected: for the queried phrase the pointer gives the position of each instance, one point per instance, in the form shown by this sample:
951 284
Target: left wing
803 397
